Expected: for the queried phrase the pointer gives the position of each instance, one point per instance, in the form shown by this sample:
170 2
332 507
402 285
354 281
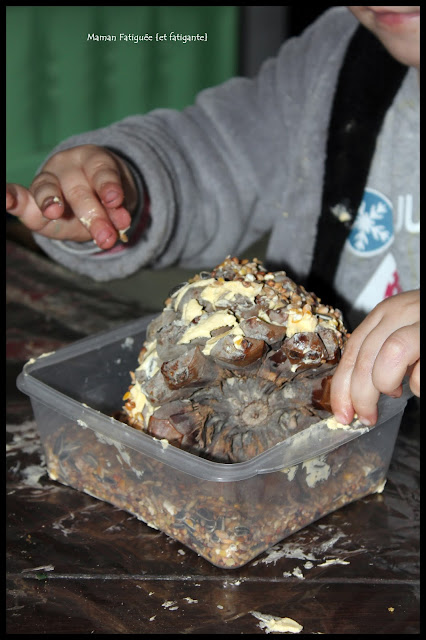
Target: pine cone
239 359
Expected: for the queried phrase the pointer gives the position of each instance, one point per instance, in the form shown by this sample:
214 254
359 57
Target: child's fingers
104 175
20 203
47 194
399 352
78 195
382 362
88 179
364 394
120 218
365 371
341 390
86 206
377 356
11 199
414 378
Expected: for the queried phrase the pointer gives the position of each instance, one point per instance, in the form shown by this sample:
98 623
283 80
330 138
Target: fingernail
396 393
110 196
365 421
49 201
341 418
102 237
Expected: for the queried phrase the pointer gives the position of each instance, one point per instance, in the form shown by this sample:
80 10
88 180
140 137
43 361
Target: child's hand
83 193
380 352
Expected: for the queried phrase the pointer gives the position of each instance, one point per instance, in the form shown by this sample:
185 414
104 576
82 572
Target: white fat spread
123 234
212 293
327 563
128 343
264 316
190 285
317 470
208 324
142 404
273 624
332 423
191 310
297 573
228 290
214 290
290 471
43 355
381 487
238 342
341 213
124 454
86 222
328 324
138 397
237 331
298 322
150 362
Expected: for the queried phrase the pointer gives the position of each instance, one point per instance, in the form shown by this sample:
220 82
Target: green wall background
58 83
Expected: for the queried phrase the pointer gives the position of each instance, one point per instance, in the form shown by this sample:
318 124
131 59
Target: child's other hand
380 352
83 193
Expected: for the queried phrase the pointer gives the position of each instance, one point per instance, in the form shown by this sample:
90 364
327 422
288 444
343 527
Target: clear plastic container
227 513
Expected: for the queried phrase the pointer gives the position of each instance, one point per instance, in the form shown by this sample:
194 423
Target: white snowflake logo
373 229
366 224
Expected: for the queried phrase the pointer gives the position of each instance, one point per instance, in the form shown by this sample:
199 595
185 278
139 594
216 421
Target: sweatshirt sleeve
210 174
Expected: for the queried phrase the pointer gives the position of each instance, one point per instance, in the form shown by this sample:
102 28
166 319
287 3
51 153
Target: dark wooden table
76 565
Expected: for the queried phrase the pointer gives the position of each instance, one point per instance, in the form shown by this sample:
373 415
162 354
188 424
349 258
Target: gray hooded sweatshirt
248 158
